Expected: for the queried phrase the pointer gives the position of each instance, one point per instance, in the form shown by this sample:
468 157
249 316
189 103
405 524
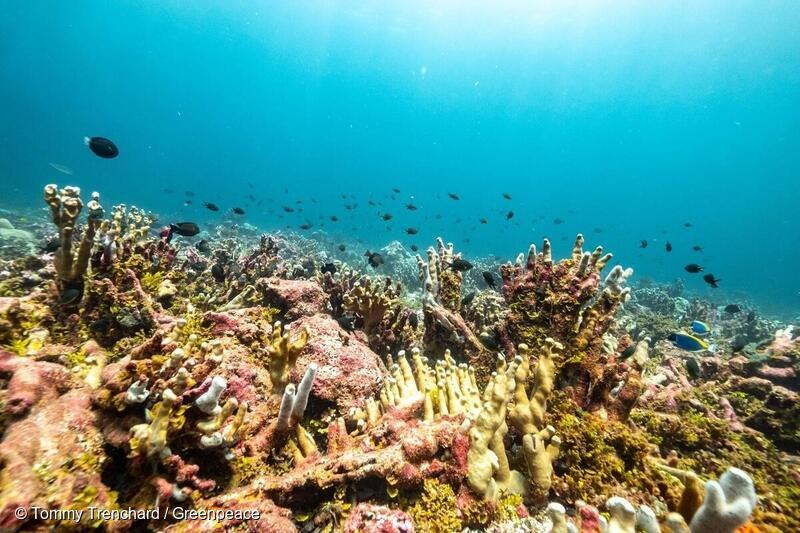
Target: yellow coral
435 510
283 351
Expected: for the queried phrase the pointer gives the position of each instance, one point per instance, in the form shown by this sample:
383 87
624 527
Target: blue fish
700 328
688 342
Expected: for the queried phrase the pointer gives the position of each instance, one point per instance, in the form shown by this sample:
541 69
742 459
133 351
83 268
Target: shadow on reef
239 379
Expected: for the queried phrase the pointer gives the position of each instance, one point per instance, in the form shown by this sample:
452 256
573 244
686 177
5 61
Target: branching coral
65 208
283 351
369 301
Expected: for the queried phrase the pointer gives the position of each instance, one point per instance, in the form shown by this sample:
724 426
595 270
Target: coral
369 301
282 352
727 505
368 517
435 510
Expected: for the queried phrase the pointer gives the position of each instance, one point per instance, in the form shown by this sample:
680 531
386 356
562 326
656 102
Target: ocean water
623 119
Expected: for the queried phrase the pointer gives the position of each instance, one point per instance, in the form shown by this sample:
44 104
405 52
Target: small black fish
342 247
692 367
509 215
668 247
738 345
506 196
306 226
411 207
488 277
598 230
413 320
238 211
453 196
732 309
396 190
557 221
52 245
346 322
203 246
187 203
251 197
334 218
185 229
438 216
687 224
189 193
697 248
372 202
210 206
414 248
349 207
693 268
374 259
411 231
643 244
328 267
218 273
69 297
101 147
711 280
288 209
386 217
627 352
468 298
489 341
459 265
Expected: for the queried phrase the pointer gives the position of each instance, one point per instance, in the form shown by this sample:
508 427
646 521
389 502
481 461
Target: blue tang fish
688 342
700 328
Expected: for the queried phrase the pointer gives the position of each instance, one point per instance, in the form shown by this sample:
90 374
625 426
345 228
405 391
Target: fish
711 280
598 230
484 221
184 229
687 342
187 203
627 352
668 247
347 323
218 273
700 328
692 367
328 267
687 224
69 297
413 320
342 247
697 248
643 244
372 202
453 196
374 259
51 245
334 218
411 207
557 221
414 248
189 193
210 206
168 190
203 246
732 309
489 341
488 277
288 209
62 168
459 265
693 268
101 147
506 196
438 216
386 217
396 190
411 231
306 226
238 211
468 298
509 215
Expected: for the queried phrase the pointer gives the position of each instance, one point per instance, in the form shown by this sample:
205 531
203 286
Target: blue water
630 117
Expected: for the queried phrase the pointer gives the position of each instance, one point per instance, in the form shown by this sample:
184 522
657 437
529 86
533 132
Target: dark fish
188 193
598 230
306 226
69 297
711 280
238 211
413 320
558 221
488 277
52 245
210 206
396 190
371 202
349 207
692 367
489 341
168 190
414 248
250 185
187 203
342 247
509 215
627 352
668 246
438 216
693 268
386 216
101 147
453 196
484 221
643 244
732 309
506 196
346 322
411 231
687 224
468 298
203 246
460 265
334 218
697 248
185 229
411 207
738 345
328 267
374 259
218 273
288 209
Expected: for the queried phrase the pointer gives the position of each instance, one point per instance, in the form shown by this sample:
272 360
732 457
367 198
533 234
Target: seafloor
285 385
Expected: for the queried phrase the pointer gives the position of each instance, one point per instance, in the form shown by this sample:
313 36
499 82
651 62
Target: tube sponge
727 505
